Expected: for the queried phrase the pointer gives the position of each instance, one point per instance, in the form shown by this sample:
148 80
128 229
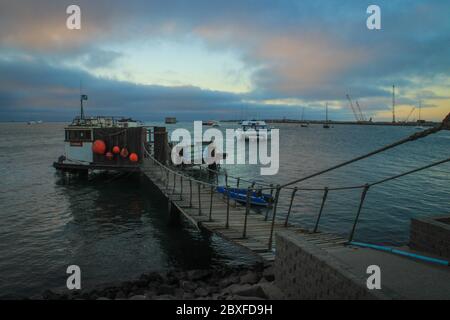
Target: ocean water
115 228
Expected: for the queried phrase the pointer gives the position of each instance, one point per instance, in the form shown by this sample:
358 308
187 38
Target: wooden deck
258 231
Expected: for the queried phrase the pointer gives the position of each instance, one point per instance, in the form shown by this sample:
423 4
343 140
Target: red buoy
99 147
124 153
109 155
116 150
134 157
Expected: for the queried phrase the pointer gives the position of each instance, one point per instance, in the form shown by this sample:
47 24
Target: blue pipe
399 252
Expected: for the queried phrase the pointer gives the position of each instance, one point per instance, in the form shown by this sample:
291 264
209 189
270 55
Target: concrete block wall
431 235
305 271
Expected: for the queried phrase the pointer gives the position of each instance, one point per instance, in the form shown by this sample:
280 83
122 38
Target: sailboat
304 124
326 125
420 121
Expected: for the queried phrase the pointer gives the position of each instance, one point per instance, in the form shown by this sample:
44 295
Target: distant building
171 120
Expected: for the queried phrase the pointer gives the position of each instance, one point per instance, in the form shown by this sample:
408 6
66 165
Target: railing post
247 210
271 190
211 203
167 180
199 200
363 197
277 196
174 182
181 187
227 225
290 207
190 193
325 195
226 179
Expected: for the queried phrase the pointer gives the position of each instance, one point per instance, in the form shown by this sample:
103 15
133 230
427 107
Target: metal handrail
443 126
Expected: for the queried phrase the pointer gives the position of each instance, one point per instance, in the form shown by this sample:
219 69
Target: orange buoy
109 155
124 152
116 150
99 147
134 157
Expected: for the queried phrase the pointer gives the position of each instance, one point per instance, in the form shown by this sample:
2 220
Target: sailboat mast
81 102
393 103
420 109
326 107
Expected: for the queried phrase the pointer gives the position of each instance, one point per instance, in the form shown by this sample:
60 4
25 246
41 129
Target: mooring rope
445 125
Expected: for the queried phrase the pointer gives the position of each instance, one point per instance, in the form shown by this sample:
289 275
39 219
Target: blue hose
401 253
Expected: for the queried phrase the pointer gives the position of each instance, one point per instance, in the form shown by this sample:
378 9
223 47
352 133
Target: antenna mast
81 102
393 103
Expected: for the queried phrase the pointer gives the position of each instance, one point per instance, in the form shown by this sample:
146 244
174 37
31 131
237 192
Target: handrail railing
445 125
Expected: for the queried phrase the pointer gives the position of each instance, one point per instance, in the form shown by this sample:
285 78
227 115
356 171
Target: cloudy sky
223 59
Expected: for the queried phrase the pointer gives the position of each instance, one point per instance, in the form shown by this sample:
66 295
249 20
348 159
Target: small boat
420 121
254 129
211 123
303 123
240 195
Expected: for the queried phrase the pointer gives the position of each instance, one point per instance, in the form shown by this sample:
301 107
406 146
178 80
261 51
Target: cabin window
78 135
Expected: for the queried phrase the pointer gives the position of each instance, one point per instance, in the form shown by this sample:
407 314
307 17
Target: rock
271 291
238 297
201 292
268 274
249 277
165 289
188 296
250 291
228 281
164 297
232 289
138 297
50 295
195 275
179 293
120 295
188 285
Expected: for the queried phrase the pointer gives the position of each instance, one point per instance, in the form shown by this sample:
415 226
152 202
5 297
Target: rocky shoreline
221 283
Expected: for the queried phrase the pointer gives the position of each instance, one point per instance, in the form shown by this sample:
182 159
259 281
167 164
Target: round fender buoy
116 150
134 157
99 147
124 153
109 155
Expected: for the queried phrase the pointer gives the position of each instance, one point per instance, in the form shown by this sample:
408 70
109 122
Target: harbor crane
410 114
359 116
353 108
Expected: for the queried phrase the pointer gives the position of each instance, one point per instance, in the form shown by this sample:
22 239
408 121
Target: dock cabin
103 143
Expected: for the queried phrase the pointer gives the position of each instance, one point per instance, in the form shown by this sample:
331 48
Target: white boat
254 129
211 123
420 121
303 123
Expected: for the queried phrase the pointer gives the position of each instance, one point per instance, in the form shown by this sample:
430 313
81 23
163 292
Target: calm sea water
116 228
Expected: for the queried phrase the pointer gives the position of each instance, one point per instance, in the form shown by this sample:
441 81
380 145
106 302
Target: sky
234 59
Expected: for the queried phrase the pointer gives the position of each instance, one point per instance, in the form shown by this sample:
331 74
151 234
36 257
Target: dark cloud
280 40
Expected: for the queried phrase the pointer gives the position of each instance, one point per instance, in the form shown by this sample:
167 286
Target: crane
410 114
353 108
361 115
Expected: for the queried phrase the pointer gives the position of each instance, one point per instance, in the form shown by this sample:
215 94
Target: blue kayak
240 195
